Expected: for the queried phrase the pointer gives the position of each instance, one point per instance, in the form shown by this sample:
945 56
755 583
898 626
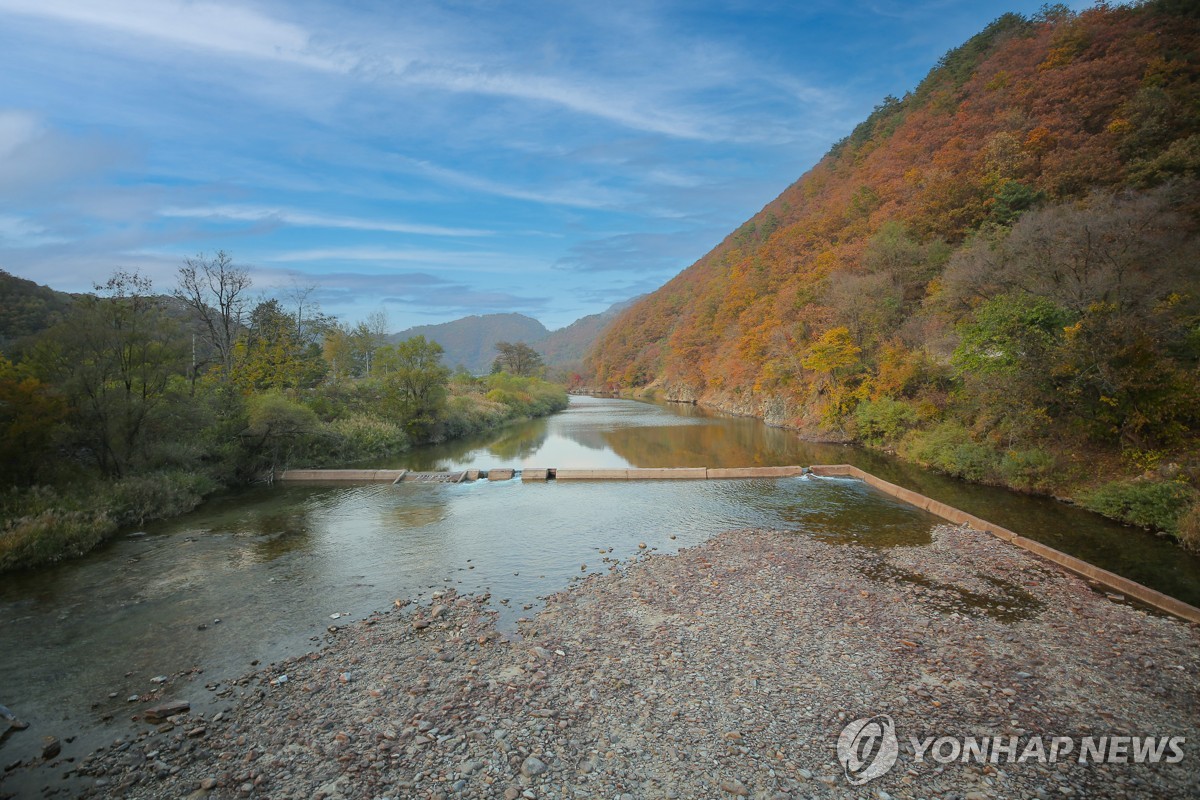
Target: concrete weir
1111 580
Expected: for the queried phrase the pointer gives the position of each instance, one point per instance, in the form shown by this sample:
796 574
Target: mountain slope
1009 250
471 341
570 344
27 308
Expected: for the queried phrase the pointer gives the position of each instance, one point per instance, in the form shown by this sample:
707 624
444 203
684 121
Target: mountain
27 308
570 344
471 341
995 274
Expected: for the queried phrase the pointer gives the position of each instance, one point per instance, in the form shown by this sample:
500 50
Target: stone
160 712
51 747
533 766
734 786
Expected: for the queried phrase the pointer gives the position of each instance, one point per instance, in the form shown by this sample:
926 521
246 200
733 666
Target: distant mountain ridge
471 341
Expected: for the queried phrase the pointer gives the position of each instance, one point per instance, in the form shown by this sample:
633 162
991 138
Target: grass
44 525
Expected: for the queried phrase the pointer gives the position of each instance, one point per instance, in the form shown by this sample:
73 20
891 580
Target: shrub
361 437
133 500
884 420
51 536
1188 531
948 448
1028 469
1148 504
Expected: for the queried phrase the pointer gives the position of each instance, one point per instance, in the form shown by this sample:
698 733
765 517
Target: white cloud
312 220
578 195
21 232
378 254
16 129
620 105
206 25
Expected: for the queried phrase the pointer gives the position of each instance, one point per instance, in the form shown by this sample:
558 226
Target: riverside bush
1160 505
884 420
51 536
949 448
43 525
360 437
1031 469
1188 532
136 499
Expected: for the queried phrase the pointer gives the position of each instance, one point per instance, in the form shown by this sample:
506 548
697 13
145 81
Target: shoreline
728 669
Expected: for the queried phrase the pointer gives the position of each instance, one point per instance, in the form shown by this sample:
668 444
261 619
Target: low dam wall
1137 591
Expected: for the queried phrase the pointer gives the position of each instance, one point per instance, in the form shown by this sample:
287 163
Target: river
255 575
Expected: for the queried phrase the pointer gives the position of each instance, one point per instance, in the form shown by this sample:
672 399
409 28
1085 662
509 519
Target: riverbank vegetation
994 276
133 405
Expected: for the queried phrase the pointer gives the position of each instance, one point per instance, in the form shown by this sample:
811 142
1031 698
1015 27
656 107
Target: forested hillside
997 275
27 308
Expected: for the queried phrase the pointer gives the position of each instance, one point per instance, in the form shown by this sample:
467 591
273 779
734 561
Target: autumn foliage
1010 248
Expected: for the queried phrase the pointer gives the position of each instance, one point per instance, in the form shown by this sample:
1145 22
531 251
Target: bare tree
216 291
369 335
301 298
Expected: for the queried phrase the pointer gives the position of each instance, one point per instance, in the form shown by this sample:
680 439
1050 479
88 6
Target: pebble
734 786
672 676
533 766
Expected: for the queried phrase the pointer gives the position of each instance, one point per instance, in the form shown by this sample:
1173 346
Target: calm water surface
274 563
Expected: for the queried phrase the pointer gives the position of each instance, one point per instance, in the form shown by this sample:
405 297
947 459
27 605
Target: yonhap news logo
868 748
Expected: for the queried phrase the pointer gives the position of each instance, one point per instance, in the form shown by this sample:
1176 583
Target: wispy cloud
624 107
308 219
21 232
448 260
221 27
635 253
579 194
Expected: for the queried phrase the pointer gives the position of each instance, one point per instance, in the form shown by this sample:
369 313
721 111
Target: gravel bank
726 670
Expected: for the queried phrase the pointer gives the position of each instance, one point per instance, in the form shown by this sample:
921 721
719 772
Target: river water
274 564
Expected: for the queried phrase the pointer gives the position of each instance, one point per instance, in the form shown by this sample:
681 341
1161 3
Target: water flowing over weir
275 564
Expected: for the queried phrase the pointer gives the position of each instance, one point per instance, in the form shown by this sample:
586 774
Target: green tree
113 359
518 359
415 385
271 353
277 428
29 414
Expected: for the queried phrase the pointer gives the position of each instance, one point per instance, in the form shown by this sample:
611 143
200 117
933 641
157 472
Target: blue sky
429 159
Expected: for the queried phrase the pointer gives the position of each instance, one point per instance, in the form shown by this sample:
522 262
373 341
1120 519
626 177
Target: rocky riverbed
727 670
